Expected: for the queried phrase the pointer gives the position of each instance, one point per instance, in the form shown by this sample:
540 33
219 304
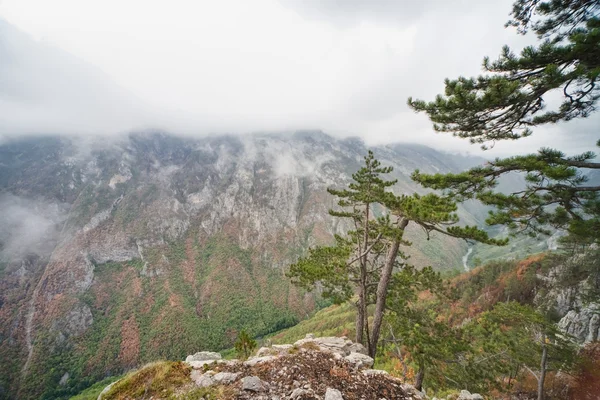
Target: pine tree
512 335
363 262
244 345
510 100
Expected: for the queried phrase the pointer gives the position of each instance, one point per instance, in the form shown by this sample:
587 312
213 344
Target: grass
159 380
94 391
336 320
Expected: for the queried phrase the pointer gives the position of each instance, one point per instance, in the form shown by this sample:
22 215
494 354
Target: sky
87 67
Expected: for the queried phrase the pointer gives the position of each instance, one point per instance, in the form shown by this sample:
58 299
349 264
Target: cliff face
111 249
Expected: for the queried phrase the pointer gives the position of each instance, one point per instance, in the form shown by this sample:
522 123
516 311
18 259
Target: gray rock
466 395
298 393
65 378
333 394
204 356
201 364
583 325
359 360
276 349
253 384
374 372
257 360
226 377
202 380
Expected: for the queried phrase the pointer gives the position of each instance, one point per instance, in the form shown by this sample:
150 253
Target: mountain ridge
158 236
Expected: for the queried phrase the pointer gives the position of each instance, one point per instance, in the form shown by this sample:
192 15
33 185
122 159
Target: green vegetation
159 378
511 99
94 391
244 345
335 320
364 261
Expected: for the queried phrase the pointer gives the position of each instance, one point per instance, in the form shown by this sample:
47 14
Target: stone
298 393
203 356
466 395
65 378
359 360
583 325
226 377
276 349
333 394
251 362
202 379
201 364
374 372
253 384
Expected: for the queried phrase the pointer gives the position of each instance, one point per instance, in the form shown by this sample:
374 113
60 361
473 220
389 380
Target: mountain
119 251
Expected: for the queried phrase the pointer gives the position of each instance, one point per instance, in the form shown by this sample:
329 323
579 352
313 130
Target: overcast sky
205 66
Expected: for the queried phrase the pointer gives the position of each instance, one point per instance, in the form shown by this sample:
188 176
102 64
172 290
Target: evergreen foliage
244 345
364 261
510 100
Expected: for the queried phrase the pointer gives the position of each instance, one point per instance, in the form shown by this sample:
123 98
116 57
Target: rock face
582 324
579 317
118 252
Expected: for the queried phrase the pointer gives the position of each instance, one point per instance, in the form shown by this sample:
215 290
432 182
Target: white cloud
346 67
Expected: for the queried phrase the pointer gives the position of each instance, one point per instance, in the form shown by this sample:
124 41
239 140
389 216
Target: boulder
251 362
466 395
253 384
359 360
374 372
298 393
203 356
333 394
202 379
276 349
226 377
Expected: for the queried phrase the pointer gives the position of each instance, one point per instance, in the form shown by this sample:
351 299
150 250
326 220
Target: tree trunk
382 289
542 369
360 316
419 379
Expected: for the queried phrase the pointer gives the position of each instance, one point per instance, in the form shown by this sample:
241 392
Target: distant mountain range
119 251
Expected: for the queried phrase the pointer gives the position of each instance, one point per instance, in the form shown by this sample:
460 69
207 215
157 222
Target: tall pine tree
362 262
510 100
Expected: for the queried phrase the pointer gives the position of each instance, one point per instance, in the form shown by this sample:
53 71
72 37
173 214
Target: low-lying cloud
28 226
346 67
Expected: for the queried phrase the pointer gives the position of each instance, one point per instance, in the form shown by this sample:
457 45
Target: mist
28 226
197 68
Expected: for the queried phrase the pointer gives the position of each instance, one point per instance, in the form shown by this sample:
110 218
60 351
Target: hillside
562 285
111 248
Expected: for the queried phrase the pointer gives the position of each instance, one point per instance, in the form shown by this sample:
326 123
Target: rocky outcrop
316 368
326 368
583 324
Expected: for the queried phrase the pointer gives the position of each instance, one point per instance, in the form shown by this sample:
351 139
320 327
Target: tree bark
419 379
382 289
542 369
360 316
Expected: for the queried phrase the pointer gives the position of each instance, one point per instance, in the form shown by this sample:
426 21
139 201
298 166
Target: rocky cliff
112 248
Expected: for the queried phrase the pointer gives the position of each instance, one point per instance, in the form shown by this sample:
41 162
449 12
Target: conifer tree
244 345
363 261
510 100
